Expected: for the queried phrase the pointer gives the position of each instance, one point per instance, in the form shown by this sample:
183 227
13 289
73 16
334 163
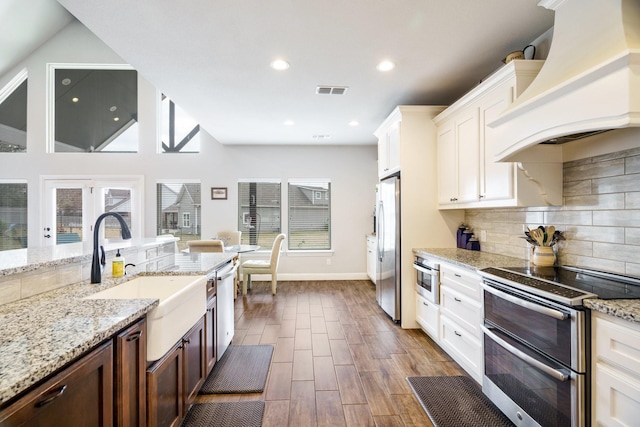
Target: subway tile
577 247
594 263
595 170
68 274
632 200
595 234
632 165
577 188
568 217
620 218
579 162
595 202
632 269
39 281
9 290
632 236
526 217
616 184
616 252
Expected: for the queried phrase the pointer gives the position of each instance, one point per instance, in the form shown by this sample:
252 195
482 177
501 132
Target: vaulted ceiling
212 57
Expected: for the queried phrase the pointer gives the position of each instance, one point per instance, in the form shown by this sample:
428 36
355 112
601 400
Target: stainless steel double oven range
537 340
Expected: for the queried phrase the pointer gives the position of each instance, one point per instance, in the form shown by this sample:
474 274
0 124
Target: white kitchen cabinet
468 177
428 317
225 319
616 371
460 317
389 148
372 248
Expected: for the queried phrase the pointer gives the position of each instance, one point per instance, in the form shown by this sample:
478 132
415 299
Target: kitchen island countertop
43 333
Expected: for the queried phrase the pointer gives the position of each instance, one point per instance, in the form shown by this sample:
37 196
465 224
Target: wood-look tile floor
338 359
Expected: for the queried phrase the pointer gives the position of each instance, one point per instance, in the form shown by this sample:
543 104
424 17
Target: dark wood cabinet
174 381
194 362
211 334
130 375
165 395
79 395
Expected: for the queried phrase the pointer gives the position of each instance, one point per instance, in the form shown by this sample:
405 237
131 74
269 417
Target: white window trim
50 130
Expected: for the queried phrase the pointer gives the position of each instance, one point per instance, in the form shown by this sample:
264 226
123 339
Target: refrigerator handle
380 230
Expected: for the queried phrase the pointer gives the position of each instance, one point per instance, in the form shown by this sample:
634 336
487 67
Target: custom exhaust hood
590 82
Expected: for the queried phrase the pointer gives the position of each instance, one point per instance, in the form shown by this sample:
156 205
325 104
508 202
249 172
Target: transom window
13 115
180 133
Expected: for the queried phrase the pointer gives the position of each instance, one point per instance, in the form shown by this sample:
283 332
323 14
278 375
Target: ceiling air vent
321 136
331 90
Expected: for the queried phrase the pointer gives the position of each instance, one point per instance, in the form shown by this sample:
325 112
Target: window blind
13 216
259 212
309 215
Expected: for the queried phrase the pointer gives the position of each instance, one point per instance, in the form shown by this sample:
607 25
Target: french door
72 204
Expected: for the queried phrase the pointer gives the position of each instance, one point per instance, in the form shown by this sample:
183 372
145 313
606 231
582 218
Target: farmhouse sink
183 301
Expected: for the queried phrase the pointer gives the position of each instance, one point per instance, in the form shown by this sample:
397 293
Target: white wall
352 170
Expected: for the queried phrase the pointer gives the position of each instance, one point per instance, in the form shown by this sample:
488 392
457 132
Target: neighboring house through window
309 215
259 211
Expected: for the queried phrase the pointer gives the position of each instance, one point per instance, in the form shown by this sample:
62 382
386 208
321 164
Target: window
179 132
13 115
13 215
309 215
179 210
259 212
93 110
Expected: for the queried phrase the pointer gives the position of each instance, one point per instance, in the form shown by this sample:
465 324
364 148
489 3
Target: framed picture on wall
218 193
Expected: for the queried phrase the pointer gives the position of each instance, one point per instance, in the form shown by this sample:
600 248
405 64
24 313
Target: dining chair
263 266
230 237
205 246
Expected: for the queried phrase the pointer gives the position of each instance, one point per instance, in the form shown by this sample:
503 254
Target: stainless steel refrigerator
388 255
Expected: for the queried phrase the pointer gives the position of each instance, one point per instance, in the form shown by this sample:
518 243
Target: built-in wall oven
537 342
427 279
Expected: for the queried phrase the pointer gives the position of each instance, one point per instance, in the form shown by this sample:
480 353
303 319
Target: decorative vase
544 256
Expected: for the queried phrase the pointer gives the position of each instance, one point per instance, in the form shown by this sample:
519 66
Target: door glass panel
118 201
69 215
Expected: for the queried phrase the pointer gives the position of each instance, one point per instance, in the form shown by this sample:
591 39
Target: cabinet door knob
55 394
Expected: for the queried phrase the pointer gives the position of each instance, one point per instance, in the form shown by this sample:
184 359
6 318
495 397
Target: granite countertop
41 334
626 309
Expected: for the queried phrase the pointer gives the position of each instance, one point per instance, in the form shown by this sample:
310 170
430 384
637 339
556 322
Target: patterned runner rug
242 369
225 414
456 402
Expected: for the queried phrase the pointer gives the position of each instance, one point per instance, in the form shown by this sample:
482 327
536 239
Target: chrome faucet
97 264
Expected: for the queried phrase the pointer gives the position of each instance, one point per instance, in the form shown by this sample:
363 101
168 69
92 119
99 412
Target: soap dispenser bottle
117 266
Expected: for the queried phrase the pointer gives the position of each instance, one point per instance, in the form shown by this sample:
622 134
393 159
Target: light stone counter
627 309
41 334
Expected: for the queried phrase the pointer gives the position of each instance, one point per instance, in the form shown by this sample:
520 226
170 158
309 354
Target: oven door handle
556 314
424 270
558 375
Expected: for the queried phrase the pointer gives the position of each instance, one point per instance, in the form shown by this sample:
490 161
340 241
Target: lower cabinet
174 381
616 371
79 395
211 334
428 316
130 382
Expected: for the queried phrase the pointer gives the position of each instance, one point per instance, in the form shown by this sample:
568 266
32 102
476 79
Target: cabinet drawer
462 345
617 397
462 308
461 280
617 344
427 316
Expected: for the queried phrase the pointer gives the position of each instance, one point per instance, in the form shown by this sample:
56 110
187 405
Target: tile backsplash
600 216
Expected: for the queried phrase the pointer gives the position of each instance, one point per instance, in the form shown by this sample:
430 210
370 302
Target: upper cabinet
467 175
389 147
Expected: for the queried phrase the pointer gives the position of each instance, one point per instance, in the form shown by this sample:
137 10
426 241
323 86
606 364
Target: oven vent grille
331 90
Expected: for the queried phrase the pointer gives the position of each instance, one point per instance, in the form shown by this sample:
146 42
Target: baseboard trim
311 276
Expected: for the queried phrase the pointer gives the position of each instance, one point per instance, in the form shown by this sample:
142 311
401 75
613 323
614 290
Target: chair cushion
256 263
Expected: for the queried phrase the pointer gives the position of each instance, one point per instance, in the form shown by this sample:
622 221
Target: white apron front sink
183 301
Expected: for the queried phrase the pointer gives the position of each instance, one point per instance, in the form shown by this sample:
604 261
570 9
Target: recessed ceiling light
385 66
66 82
74 99
116 119
113 108
280 64
354 123
289 123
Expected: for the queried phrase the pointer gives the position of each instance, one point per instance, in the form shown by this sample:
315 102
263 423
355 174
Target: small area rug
242 369
225 414
456 402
